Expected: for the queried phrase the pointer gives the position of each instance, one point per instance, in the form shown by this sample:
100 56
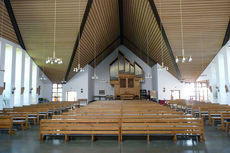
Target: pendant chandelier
162 66
182 58
54 59
95 77
79 68
63 82
148 76
43 78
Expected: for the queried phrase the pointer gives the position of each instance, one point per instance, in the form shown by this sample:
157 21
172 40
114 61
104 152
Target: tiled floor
26 141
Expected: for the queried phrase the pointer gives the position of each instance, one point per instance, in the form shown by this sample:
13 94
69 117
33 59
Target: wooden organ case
125 77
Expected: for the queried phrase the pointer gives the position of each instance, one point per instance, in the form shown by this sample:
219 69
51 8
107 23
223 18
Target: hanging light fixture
63 82
182 58
79 68
95 77
148 76
162 66
54 59
43 78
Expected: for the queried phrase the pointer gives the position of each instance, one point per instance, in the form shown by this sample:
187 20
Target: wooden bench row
121 127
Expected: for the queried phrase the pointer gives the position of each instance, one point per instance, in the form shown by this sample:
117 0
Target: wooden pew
225 121
79 126
19 118
163 126
6 123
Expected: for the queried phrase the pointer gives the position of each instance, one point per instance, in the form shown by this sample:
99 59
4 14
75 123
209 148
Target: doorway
175 94
71 96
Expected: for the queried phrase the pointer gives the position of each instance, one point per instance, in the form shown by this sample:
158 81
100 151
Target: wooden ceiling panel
35 19
101 29
141 28
6 28
204 24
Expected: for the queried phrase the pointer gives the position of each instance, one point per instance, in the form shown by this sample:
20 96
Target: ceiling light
182 57
54 59
94 77
43 78
148 76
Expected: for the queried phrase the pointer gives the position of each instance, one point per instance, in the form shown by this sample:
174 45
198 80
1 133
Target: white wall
79 83
169 82
218 75
45 86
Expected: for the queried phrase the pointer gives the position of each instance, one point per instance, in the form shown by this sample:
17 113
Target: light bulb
167 68
183 59
177 60
190 59
55 60
52 62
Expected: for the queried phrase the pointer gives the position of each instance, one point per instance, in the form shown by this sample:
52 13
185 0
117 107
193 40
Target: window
18 77
130 83
7 76
57 92
189 91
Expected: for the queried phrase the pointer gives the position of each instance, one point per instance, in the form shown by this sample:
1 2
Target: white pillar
13 76
22 77
30 83
221 79
2 63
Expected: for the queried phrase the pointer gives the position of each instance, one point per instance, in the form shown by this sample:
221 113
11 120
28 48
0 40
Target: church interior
119 76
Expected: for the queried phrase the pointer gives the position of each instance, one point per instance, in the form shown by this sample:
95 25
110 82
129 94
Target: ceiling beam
139 52
114 41
155 12
227 34
84 19
120 3
14 23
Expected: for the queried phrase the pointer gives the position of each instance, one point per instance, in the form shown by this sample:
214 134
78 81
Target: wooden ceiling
141 29
6 28
101 30
204 23
35 20
106 26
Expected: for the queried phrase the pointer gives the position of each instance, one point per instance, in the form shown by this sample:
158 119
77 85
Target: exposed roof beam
155 12
105 49
140 52
14 23
227 34
120 3
84 19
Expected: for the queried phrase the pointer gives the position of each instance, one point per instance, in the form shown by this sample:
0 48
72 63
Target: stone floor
26 141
